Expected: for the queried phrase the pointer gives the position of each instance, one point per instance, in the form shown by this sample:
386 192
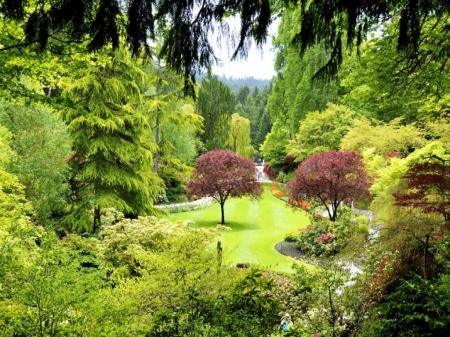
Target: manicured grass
257 227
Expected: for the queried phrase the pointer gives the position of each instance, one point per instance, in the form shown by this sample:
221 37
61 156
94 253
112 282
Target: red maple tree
222 174
428 187
330 178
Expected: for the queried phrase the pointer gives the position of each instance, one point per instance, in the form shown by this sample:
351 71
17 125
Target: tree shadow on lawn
236 226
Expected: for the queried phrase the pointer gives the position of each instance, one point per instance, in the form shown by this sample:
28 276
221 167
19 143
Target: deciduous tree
321 131
222 174
239 140
330 178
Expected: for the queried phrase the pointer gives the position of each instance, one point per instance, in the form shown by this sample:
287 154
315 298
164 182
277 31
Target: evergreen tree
112 151
242 94
216 104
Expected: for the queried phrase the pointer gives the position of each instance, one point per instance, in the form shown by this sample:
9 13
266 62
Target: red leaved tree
428 187
222 174
428 192
330 178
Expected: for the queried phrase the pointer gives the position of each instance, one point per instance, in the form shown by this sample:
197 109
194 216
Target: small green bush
291 237
324 237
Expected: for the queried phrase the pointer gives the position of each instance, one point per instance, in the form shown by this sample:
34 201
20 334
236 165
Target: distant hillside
235 83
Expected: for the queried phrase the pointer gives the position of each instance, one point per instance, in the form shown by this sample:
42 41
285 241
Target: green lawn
257 227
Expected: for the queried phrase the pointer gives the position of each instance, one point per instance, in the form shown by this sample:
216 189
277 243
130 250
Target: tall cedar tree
112 158
330 178
222 174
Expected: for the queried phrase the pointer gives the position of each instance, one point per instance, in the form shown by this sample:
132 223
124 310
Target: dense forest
102 122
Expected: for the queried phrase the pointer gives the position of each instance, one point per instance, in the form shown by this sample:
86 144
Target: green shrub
324 237
291 237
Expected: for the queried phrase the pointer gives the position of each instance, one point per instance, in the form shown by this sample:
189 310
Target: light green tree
239 140
383 137
321 131
41 144
112 159
388 84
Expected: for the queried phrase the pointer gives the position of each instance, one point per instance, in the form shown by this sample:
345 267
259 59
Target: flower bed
187 206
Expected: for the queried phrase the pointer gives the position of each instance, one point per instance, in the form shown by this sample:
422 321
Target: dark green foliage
332 22
249 311
415 308
216 104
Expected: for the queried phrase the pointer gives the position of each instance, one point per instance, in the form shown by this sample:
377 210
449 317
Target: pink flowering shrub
323 237
326 238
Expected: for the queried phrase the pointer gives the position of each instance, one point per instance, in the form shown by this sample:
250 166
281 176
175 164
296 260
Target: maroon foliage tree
222 174
330 178
428 187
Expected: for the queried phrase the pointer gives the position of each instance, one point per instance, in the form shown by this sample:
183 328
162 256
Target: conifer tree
216 103
112 148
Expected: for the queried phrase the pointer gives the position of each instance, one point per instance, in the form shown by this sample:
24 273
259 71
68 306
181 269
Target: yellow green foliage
384 138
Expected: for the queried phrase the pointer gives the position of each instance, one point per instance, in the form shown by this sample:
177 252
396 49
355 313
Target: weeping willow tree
239 138
112 148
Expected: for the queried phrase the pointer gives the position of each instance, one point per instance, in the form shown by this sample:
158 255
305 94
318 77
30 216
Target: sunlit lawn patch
256 228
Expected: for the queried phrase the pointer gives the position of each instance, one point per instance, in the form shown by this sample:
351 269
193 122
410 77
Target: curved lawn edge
257 227
289 249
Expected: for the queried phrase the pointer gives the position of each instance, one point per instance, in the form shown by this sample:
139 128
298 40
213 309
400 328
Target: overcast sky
259 63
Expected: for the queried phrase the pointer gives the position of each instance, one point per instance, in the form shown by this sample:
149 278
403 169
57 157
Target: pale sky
259 63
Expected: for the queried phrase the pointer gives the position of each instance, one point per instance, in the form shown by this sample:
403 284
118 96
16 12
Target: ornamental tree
330 178
428 187
222 174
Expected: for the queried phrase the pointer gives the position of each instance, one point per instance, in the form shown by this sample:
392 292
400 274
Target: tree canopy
187 25
330 178
222 174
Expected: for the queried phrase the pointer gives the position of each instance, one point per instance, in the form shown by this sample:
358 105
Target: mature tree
41 144
274 147
264 127
330 178
222 174
321 131
112 158
188 25
170 114
337 23
242 94
239 140
428 187
382 137
388 84
216 104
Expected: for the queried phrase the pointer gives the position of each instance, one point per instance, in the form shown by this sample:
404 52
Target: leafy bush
291 237
324 237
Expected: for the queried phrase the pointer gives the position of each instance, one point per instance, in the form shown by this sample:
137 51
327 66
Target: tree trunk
222 204
96 224
425 257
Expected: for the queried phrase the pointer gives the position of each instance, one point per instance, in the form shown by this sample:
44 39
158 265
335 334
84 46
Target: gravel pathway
289 249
